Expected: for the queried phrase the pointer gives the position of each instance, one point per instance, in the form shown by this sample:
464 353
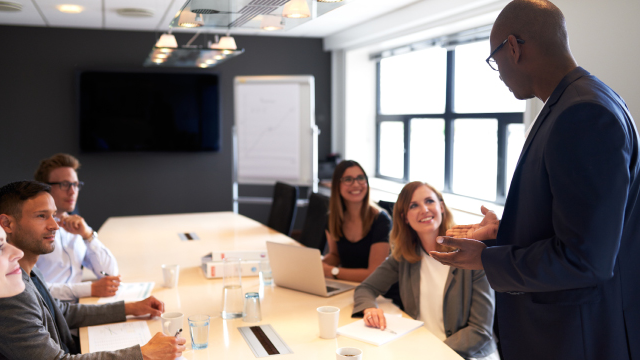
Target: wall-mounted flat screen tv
148 111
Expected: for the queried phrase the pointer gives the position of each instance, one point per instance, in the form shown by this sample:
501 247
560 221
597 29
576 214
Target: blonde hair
54 162
404 240
368 212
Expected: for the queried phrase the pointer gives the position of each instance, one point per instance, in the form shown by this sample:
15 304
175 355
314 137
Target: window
446 118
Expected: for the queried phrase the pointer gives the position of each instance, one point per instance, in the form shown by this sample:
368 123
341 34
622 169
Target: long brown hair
368 212
404 240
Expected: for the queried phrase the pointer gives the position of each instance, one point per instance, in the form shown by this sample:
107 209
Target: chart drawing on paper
118 336
268 126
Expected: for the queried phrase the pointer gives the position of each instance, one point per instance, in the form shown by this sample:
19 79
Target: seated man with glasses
76 244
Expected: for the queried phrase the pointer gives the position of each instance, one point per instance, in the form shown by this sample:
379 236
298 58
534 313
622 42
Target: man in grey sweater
33 324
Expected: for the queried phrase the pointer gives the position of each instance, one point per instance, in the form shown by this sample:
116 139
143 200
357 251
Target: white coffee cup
328 321
348 353
170 274
172 323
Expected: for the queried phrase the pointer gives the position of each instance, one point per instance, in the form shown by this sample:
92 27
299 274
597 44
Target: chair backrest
388 206
283 208
316 222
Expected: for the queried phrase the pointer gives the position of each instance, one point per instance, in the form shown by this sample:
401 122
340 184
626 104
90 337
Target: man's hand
163 347
486 230
75 224
150 305
105 287
468 255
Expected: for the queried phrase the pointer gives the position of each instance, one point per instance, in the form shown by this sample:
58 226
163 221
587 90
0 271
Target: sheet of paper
118 336
130 292
396 327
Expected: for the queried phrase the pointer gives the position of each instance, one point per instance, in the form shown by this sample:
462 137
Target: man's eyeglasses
65 185
491 61
361 179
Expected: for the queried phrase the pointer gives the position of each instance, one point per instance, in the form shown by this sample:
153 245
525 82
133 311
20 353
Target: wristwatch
335 271
94 235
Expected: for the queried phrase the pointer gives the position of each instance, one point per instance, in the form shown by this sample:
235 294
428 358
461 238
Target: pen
391 331
178 332
104 273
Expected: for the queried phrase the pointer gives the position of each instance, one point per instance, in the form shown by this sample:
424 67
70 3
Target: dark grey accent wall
38 117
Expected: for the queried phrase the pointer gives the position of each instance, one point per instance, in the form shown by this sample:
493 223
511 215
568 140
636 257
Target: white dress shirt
433 277
62 268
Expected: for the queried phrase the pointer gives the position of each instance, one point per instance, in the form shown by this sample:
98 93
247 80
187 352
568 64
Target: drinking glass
199 330
232 299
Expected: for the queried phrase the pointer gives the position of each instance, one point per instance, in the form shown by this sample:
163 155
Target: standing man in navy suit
566 262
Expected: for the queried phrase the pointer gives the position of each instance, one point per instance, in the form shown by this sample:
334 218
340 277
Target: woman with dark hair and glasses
358 230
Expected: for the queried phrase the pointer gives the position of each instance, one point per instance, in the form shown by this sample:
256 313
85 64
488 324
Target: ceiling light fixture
167 53
70 8
190 20
271 23
134 12
166 41
296 9
8 6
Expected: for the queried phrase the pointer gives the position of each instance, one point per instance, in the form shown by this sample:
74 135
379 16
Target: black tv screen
146 111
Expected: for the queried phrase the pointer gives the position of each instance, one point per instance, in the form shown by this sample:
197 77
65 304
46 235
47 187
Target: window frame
504 119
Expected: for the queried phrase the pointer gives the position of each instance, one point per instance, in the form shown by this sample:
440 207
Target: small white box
244 255
213 269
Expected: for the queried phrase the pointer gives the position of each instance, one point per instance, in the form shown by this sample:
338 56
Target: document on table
130 292
396 327
118 336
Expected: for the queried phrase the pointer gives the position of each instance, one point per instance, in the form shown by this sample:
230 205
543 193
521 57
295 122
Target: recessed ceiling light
134 12
70 8
10 6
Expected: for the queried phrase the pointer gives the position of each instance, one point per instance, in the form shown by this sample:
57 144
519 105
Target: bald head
539 22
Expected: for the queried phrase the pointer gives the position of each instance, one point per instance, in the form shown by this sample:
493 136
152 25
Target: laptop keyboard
330 289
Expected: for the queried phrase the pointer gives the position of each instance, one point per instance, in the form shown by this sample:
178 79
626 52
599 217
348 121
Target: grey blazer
27 330
467 310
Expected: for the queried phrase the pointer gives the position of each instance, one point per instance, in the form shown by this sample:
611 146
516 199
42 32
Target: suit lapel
450 280
572 76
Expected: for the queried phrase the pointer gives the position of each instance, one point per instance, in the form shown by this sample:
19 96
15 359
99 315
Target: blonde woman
10 274
358 234
456 305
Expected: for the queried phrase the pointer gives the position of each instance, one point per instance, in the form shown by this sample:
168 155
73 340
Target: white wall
603 36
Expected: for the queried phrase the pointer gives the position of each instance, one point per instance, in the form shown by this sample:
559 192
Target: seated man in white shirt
76 244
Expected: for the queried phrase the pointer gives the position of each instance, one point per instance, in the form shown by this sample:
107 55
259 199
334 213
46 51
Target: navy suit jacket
566 266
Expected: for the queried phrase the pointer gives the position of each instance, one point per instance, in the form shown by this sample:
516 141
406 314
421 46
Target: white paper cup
348 353
172 323
170 275
328 321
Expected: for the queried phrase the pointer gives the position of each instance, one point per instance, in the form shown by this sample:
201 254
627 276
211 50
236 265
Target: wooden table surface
143 243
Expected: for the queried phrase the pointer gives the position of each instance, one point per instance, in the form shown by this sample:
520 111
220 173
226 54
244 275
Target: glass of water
199 329
265 272
232 297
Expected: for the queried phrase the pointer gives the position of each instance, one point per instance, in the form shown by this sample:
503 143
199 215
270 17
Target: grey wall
38 117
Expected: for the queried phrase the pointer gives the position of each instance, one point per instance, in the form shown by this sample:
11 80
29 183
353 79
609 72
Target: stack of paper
130 292
396 327
118 336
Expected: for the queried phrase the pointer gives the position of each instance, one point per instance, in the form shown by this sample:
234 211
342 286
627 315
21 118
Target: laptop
300 268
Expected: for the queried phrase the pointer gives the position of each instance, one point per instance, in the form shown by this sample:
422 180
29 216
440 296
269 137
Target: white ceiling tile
114 20
28 16
90 17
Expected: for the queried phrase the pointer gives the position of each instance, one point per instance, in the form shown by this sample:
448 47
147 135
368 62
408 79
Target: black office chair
315 223
283 208
387 206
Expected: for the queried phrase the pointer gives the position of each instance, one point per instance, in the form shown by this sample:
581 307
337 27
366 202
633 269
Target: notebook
300 268
396 327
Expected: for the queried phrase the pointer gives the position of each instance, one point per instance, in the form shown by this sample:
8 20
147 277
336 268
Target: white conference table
143 243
